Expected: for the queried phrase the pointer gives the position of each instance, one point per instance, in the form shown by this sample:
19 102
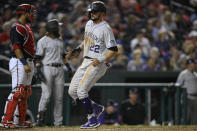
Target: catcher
21 67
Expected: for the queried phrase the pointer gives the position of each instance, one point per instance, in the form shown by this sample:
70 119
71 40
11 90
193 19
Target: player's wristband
102 58
23 61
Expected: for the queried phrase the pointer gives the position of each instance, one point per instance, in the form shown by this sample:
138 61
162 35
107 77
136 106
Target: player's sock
87 104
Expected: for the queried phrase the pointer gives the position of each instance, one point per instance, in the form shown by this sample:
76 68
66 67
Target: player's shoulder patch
112 42
21 29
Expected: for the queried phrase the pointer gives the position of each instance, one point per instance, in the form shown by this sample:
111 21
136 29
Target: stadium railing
174 92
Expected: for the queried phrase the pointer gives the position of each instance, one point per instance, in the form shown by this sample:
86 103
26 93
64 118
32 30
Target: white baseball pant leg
84 79
58 91
46 88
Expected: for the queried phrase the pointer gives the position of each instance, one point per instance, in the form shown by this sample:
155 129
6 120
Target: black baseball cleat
40 119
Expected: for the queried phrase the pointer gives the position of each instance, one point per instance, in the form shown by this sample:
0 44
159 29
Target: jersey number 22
95 48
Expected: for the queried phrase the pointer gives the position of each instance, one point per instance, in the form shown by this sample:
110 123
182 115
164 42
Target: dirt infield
110 128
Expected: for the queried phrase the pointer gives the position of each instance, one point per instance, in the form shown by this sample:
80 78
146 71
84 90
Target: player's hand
68 54
95 62
27 68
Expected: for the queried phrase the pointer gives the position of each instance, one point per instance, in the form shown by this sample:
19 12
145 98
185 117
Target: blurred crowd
152 35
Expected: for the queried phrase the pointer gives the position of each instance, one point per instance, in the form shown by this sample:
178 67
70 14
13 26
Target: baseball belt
55 64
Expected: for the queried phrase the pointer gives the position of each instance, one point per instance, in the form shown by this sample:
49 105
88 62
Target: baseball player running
21 67
49 57
99 46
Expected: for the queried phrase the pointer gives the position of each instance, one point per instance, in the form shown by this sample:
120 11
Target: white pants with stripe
85 78
19 76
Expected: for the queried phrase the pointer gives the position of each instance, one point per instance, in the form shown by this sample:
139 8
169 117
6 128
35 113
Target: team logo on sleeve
112 42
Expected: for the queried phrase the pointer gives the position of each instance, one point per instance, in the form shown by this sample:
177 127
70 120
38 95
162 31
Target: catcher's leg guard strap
9 111
28 91
19 93
22 109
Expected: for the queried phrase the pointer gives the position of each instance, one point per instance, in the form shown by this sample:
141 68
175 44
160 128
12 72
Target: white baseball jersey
98 37
188 80
51 49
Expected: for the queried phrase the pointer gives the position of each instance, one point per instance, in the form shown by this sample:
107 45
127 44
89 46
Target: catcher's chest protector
29 44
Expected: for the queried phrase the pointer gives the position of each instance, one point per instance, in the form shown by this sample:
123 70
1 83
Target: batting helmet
52 27
27 8
97 6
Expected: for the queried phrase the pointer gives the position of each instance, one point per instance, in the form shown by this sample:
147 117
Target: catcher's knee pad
82 93
19 93
72 93
9 110
22 109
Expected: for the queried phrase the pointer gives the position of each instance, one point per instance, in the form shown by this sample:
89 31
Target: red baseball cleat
25 124
8 124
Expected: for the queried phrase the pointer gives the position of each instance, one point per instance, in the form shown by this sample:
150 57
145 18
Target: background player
99 46
49 57
21 67
188 79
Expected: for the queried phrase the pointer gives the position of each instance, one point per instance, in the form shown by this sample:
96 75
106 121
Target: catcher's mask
27 8
52 27
97 6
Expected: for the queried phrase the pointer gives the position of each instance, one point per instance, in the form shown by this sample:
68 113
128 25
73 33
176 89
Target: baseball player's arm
75 51
17 39
180 79
110 53
69 69
66 63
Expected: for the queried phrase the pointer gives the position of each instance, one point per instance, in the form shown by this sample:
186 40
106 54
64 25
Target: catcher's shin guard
9 110
22 109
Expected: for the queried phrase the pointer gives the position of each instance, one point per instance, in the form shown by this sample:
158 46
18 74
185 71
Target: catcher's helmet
97 6
27 8
52 26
